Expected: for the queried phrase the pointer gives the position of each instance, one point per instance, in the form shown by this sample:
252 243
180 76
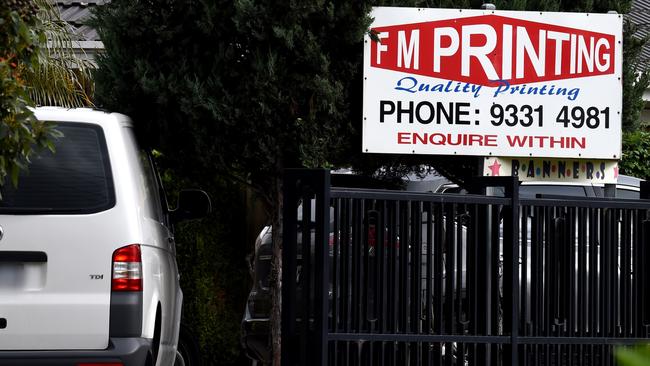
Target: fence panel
400 278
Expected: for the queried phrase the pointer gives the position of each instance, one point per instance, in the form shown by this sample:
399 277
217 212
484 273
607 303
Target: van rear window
76 179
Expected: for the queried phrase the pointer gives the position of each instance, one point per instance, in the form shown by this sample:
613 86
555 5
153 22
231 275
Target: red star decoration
495 168
616 171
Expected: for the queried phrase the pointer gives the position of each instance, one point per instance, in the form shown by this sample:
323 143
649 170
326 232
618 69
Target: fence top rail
586 202
480 339
380 194
544 201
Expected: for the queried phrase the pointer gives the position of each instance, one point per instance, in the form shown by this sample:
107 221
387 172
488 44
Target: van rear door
56 248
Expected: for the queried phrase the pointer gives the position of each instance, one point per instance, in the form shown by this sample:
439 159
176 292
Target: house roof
77 13
640 15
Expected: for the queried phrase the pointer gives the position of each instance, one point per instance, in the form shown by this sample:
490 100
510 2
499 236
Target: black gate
399 278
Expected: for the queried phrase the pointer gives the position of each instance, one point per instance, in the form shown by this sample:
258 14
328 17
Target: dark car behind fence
398 278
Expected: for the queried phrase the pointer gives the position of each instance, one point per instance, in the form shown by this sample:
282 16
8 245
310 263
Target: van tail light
127 269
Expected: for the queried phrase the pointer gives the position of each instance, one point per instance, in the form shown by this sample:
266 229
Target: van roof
84 115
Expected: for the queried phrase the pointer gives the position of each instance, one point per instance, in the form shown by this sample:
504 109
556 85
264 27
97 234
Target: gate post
644 187
302 187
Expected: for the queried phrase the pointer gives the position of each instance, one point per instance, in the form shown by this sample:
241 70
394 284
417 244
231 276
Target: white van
88 273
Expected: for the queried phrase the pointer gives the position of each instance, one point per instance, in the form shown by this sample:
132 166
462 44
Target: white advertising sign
578 171
500 83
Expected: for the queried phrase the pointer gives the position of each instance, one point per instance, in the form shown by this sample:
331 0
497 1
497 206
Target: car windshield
627 193
74 179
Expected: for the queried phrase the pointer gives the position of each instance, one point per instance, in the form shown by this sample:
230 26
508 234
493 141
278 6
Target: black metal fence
397 278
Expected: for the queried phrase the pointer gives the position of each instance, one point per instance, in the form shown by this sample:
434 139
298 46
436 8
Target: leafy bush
638 356
214 278
20 134
636 154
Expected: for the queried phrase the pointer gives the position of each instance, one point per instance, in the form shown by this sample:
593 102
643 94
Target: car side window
152 191
531 191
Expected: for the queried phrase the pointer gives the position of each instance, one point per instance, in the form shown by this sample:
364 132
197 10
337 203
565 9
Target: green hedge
211 259
636 154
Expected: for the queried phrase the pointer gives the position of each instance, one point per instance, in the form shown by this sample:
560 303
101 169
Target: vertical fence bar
524 289
394 284
512 191
582 275
346 256
592 250
289 252
642 274
335 275
357 258
494 275
416 279
382 240
305 274
622 277
429 280
405 218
